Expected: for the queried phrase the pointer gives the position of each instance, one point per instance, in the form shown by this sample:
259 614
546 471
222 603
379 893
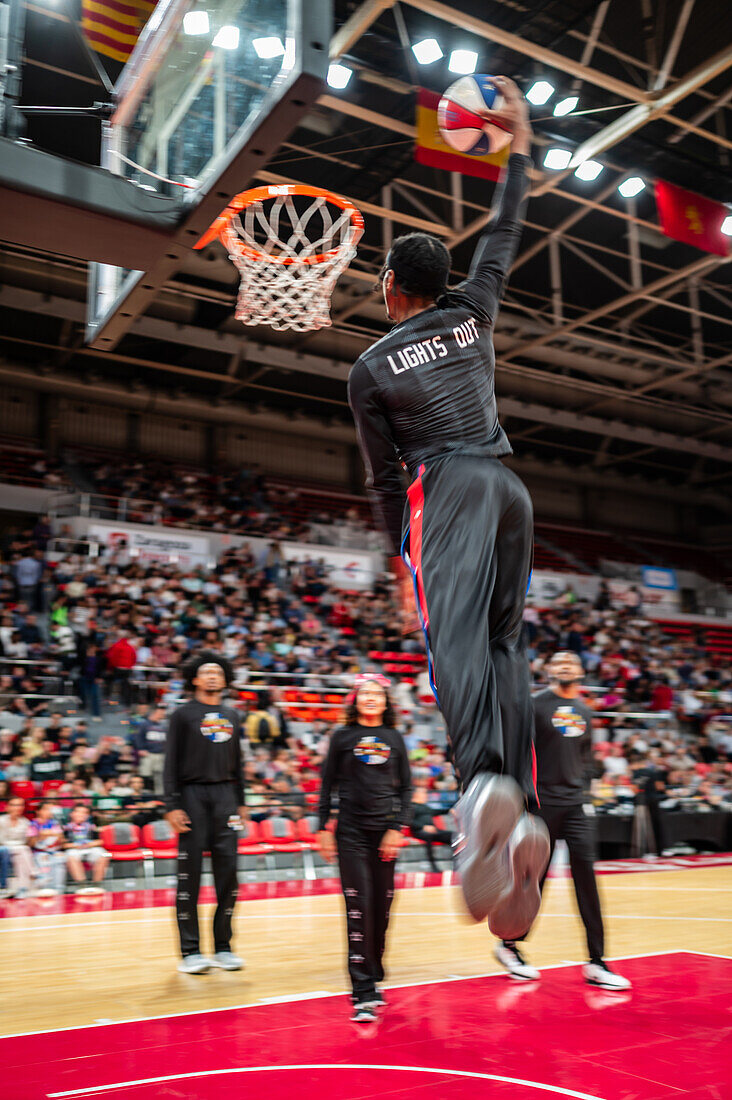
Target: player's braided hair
206 657
421 265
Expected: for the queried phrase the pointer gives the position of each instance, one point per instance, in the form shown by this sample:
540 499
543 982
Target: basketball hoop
289 253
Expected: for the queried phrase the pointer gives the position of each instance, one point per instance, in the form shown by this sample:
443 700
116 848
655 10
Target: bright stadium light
339 75
631 187
539 92
227 38
195 22
588 170
268 47
727 226
565 106
463 61
427 51
557 159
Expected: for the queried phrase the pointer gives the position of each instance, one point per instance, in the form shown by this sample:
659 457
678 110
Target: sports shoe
511 958
363 1013
487 814
226 960
194 964
374 1000
599 973
516 909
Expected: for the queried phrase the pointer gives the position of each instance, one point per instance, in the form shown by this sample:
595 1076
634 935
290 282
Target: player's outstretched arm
497 247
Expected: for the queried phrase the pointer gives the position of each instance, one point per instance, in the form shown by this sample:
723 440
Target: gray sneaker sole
493 811
516 910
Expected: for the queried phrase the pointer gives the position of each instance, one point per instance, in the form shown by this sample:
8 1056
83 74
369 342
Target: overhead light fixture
427 51
268 47
227 38
557 159
339 75
195 22
539 92
588 170
727 226
630 187
463 61
566 106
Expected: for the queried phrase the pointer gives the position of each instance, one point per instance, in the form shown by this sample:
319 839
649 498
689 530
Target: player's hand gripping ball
466 116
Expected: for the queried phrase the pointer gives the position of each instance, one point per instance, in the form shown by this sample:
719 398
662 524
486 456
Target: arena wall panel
172 438
92 425
18 412
295 456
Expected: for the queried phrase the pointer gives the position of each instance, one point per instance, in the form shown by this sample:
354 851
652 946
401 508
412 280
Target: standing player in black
564 766
204 796
367 764
424 396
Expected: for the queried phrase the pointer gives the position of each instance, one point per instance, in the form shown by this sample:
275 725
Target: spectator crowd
110 633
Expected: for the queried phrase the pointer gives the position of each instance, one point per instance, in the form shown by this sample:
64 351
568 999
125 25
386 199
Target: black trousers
471 536
571 823
439 836
368 890
209 806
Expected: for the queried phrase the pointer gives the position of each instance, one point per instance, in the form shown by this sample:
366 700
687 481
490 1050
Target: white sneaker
226 960
487 814
509 956
599 973
528 851
194 964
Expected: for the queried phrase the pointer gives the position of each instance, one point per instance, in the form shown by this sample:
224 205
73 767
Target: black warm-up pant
209 807
571 823
470 543
368 890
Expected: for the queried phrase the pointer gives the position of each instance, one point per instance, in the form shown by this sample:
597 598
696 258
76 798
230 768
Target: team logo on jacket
569 722
370 750
215 727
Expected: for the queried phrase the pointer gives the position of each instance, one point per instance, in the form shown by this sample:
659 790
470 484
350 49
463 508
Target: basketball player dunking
424 395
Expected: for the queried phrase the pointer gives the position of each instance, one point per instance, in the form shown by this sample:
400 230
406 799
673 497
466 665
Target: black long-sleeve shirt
202 746
427 388
369 767
563 748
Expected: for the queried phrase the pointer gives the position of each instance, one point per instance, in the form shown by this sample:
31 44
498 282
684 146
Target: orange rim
222 225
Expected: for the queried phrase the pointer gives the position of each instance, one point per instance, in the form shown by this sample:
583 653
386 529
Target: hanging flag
112 27
433 151
692 218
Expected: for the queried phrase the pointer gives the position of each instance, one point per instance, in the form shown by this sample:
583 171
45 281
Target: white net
289 260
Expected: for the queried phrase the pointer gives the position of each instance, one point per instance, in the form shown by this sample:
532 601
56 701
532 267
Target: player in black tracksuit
204 795
424 396
367 765
564 768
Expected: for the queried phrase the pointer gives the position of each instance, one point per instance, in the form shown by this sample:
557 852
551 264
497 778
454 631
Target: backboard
209 93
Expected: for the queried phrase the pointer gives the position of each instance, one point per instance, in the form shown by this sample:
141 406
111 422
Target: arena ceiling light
565 106
339 75
557 159
539 92
631 187
463 62
195 22
268 47
588 170
727 226
427 51
227 38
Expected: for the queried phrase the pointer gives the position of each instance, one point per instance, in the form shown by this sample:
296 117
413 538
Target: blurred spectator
82 846
149 741
14 833
46 839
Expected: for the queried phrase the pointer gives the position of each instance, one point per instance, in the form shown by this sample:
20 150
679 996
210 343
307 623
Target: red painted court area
478 1037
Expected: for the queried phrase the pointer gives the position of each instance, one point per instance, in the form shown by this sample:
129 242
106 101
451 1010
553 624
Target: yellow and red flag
692 218
431 148
112 27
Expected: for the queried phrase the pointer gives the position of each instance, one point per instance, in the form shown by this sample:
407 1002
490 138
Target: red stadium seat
280 833
23 788
51 785
123 842
307 829
250 841
160 840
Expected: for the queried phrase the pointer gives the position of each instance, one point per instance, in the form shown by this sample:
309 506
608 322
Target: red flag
692 218
432 149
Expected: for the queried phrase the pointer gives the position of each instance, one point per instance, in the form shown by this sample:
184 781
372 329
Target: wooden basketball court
94 981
